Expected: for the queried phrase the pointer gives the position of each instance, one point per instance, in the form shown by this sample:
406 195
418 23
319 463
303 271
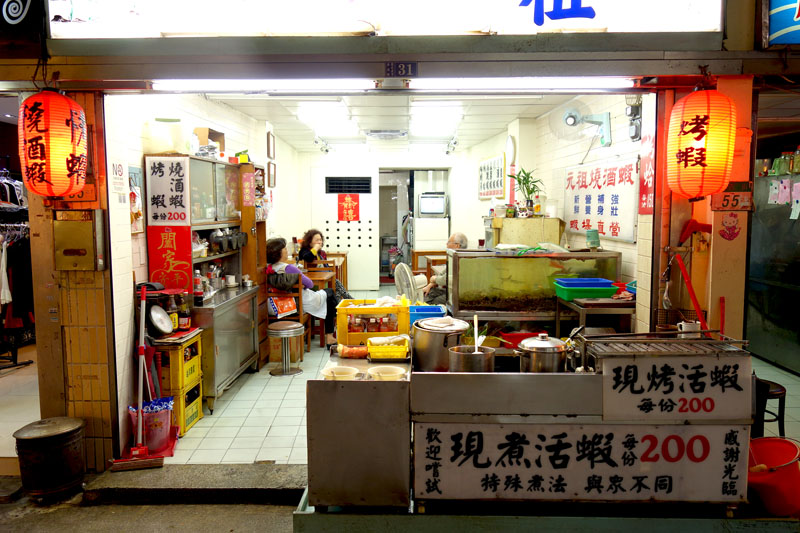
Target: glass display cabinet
504 286
226 182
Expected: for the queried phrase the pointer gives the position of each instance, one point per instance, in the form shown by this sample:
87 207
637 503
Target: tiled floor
261 417
19 399
765 370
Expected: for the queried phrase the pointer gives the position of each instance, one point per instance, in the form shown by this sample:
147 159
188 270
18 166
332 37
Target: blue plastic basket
418 312
584 282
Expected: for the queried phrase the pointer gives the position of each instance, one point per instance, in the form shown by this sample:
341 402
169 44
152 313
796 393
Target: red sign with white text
348 207
169 253
647 174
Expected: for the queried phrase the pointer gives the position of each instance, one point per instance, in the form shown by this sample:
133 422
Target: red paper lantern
702 134
52 144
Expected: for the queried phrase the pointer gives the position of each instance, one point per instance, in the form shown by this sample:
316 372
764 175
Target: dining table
322 279
432 261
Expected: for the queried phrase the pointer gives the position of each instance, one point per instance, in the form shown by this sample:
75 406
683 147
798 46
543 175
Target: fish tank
506 286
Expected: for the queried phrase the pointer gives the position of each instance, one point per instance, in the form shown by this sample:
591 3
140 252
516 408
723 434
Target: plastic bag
155 424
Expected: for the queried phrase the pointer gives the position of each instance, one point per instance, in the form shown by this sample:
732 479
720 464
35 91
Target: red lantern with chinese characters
700 142
52 144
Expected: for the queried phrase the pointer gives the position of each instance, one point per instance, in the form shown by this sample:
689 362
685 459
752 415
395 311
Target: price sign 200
681 448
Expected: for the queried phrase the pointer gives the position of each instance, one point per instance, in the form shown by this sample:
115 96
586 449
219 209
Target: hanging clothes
5 292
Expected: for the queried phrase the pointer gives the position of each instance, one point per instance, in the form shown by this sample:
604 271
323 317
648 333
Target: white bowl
339 373
386 373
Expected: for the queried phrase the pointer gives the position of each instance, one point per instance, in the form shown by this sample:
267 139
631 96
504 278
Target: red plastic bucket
779 485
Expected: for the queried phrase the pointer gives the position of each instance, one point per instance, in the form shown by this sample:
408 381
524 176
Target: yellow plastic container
346 309
187 408
387 352
178 374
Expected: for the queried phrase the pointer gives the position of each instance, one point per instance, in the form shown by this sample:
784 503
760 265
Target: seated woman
321 304
311 250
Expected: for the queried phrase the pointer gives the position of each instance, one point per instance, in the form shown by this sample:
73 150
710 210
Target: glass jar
781 165
796 161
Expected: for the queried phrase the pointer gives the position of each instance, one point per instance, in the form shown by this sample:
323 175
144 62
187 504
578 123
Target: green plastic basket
570 293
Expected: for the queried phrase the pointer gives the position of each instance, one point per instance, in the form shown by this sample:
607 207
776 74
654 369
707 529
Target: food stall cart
662 420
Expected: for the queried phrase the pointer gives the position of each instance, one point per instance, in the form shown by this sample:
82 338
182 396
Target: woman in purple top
321 304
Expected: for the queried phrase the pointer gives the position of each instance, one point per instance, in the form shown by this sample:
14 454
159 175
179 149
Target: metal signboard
603 196
676 389
580 462
783 26
167 191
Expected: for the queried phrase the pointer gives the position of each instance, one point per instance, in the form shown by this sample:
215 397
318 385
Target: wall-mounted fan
568 120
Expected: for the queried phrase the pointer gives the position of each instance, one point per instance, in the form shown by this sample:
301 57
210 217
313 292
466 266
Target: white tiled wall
128 128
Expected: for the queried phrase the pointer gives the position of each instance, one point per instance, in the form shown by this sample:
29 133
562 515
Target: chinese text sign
603 196
167 191
580 462
492 178
169 254
348 207
676 388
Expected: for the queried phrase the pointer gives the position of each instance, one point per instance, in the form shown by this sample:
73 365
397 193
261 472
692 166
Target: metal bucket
464 359
51 455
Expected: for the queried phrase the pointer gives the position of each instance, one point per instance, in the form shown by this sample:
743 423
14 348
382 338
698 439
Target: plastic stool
285 330
776 391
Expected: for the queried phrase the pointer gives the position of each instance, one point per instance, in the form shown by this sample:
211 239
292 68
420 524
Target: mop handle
692 296
140 358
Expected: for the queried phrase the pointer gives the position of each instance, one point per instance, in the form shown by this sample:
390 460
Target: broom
140 455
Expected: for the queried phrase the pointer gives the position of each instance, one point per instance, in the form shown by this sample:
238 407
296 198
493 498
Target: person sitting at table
321 304
311 250
436 290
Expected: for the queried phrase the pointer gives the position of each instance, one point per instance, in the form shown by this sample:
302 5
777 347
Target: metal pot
431 346
542 354
464 359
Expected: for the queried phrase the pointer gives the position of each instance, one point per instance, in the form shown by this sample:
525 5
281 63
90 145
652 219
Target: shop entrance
384 150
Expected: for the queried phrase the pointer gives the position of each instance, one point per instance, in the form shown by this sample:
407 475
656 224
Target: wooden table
340 262
322 279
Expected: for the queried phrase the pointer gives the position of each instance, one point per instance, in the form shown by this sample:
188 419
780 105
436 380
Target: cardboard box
207 134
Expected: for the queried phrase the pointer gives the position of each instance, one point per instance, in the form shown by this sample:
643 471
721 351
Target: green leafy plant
527 184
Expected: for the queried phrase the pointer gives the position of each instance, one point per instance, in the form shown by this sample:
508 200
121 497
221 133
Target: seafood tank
507 286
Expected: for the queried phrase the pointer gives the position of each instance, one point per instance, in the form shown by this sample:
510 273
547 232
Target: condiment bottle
372 325
796 161
184 316
172 311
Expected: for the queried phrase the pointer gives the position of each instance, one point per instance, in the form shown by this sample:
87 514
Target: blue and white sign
784 22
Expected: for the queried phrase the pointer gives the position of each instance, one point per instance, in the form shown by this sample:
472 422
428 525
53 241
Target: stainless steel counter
224 296
230 338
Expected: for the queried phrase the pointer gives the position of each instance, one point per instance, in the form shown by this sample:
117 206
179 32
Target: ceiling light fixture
555 83
266 86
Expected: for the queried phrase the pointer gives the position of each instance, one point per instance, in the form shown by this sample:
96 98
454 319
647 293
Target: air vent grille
337 185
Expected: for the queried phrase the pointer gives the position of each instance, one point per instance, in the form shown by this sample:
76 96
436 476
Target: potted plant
529 186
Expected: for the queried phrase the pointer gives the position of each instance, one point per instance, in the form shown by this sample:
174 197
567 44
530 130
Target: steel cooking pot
542 354
431 346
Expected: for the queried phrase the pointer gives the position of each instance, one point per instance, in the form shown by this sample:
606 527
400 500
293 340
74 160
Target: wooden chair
299 316
432 263
319 266
416 254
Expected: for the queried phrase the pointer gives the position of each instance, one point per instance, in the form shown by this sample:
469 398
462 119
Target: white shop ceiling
482 117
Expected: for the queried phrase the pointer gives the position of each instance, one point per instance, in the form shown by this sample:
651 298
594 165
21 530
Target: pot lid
49 427
443 324
543 343
160 319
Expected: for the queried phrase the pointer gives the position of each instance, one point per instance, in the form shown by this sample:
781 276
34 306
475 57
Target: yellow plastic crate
176 373
345 309
387 352
187 408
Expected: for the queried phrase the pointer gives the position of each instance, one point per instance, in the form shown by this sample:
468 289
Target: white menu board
167 191
580 462
676 389
603 196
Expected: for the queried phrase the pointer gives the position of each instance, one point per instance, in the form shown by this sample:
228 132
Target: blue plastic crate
584 282
418 312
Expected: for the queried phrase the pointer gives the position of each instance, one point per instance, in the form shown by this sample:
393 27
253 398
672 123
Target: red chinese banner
169 253
248 189
647 173
348 207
